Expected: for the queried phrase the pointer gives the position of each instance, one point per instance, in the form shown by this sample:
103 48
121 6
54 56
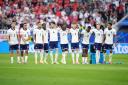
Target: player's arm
29 36
8 37
104 38
34 38
43 37
115 37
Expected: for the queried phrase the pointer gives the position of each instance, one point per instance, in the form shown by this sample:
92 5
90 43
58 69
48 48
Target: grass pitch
31 74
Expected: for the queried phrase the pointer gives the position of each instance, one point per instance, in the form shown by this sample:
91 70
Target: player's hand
24 39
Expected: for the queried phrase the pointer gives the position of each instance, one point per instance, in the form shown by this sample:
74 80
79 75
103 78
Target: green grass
31 74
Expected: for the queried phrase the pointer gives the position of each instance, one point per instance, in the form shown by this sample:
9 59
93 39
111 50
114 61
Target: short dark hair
110 23
52 22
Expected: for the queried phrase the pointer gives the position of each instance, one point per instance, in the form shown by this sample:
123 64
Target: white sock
11 60
86 59
56 57
62 60
66 54
97 56
77 57
36 54
51 55
22 58
110 57
73 60
26 59
83 60
105 57
41 57
18 59
46 56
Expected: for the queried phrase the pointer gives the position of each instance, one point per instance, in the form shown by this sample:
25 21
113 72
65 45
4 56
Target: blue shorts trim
85 46
24 47
46 47
38 46
98 46
14 47
75 45
53 45
64 47
108 46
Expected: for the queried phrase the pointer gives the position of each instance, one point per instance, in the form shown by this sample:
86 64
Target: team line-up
47 39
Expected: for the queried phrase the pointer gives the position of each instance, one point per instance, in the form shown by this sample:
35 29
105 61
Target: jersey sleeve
105 31
8 32
82 32
28 32
114 32
92 31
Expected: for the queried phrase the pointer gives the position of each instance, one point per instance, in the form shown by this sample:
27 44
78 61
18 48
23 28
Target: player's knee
84 53
104 51
22 53
110 51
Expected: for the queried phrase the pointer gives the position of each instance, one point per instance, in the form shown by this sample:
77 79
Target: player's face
13 25
74 26
88 30
109 27
98 26
39 25
25 27
63 28
52 25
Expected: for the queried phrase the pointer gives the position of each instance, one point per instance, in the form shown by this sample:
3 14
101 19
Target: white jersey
109 35
24 36
45 36
39 36
98 35
63 37
13 36
53 35
86 37
74 33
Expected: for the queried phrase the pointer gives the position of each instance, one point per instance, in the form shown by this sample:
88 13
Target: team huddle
46 40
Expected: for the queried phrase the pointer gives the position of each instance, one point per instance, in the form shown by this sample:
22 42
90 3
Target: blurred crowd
83 12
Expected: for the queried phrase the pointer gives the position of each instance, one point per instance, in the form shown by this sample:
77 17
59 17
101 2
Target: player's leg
18 56
41 52
65 53
46 53
41 56
97 47
84 53
110 55
56 56
45 57
56 52
77 56
104 52
83 56
17 53
73 53
51 52
11 54
26 48
22 56
26 56
77 53
36 53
